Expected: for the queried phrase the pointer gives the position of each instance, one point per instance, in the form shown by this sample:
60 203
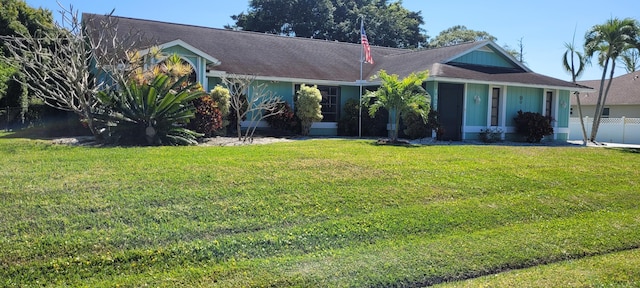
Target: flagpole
361 64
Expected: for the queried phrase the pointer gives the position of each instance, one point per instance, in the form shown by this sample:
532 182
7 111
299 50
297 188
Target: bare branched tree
250 101
68 66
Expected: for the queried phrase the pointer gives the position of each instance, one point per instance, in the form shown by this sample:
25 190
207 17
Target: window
330 102
549 104
495 106
605 113
330 98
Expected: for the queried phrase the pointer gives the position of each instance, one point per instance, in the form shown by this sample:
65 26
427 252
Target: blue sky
543 25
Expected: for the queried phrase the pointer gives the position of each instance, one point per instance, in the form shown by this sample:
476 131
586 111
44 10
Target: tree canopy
17 18
459 34
387 23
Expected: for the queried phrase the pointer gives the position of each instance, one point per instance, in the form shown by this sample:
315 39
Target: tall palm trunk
394 132
602 99
599 104
584 130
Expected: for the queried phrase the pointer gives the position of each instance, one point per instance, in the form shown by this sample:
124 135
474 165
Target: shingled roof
267 55
625 90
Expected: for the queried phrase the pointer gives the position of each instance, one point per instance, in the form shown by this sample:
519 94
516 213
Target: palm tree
631 60
609 40
400 97
568 63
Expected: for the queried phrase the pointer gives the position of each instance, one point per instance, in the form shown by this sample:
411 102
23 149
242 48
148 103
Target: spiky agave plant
152 113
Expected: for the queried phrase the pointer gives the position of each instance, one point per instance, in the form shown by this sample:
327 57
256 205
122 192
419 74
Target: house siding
484 58
615 111
562 118
476 113
432 89
212 82
522 98
284 90
347 93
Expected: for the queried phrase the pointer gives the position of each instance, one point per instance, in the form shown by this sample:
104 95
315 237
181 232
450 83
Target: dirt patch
214 141
233 141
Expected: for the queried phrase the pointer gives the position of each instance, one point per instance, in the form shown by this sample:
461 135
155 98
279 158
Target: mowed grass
315 213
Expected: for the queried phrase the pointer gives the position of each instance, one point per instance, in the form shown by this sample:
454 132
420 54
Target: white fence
613 130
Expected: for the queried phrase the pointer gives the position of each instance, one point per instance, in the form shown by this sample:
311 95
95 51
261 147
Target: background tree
609 41
400 97
17 19
569 64
459 34
388 23
631 60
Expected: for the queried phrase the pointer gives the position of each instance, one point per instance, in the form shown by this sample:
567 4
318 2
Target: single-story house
623 99
473 85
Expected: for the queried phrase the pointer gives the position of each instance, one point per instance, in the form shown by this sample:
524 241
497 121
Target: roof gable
487 53
185 45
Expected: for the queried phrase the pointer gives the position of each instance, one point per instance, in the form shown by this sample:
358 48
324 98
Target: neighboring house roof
625 90
267 55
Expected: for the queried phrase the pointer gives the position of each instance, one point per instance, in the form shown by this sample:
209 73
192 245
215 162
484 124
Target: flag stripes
365 46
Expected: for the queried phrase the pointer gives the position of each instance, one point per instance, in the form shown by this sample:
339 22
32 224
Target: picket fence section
613 130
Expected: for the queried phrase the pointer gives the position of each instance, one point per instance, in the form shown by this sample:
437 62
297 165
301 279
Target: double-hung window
495 106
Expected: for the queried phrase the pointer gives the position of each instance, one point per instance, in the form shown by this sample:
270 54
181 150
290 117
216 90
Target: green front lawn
310 213
618 269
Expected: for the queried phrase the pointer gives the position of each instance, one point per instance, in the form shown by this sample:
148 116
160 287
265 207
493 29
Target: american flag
365 46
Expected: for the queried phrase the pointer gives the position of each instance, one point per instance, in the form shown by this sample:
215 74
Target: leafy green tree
459 34
388 24
17 19
308 108
400 97
569 59
609 40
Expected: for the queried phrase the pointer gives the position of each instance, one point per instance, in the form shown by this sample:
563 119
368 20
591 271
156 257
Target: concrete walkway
606 144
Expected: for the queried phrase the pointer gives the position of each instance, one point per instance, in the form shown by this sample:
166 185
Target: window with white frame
495 106
549 104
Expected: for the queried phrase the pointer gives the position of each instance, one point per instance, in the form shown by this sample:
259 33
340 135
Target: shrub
208 117
491 135
222 97
286 120
533 126
153 113
415 127
308 107
433 121
348 124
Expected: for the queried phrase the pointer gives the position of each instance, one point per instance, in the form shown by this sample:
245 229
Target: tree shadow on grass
628 150
397 143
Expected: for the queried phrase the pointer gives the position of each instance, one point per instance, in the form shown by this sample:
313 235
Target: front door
450 97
